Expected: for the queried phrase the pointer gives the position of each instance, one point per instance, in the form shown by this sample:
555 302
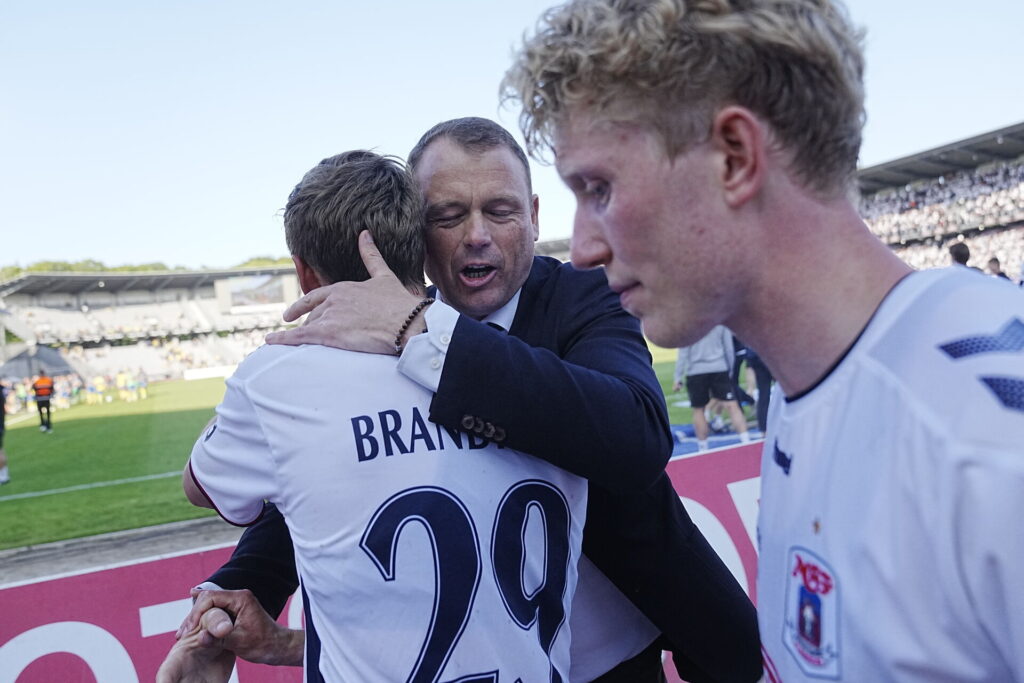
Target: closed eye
444 216
501 214
503 208
597 190
444 221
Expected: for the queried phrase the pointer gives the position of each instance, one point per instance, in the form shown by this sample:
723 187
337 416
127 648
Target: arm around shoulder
572 383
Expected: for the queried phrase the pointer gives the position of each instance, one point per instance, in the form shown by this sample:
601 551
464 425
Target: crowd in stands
1007 245
982 208
114 322
136 321
167 358
948 205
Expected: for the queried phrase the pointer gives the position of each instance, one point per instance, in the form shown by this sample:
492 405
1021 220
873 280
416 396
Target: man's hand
358 316
251 633
676 386
189 661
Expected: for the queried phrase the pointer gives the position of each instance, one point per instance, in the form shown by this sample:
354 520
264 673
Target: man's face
657 224
481 223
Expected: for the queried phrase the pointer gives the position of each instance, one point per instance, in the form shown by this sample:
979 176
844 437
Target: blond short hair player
892 476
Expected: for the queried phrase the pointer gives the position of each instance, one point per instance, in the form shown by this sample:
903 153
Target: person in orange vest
43 389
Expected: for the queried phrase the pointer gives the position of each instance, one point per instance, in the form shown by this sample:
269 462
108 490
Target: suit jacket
572 383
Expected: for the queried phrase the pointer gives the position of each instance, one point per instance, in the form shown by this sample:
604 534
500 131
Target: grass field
93 450
97 446
664 367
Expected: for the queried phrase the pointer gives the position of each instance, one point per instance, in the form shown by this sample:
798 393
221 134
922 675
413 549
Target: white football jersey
425 554
892 503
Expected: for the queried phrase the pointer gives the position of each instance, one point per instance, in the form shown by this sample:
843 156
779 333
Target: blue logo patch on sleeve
1009 390
1010 339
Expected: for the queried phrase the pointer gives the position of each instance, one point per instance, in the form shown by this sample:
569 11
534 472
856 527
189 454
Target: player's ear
740 139
308 278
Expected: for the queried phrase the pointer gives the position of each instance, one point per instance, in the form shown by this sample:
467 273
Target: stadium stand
166 324
163 324
970 191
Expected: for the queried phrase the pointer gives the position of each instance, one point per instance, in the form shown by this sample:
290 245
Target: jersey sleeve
232 462
990 550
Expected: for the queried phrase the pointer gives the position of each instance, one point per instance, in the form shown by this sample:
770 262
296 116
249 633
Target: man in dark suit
570 382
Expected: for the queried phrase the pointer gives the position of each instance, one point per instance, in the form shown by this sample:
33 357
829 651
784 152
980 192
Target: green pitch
664 367
90 450
94 449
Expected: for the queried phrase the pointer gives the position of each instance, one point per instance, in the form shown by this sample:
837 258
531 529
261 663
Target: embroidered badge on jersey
810 632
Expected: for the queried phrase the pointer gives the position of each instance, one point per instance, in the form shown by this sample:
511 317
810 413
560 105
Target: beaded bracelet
408 321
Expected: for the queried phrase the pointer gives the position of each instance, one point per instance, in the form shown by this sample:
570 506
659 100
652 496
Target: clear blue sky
136 131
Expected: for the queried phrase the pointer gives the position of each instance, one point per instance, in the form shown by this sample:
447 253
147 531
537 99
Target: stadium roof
1004 144
80 283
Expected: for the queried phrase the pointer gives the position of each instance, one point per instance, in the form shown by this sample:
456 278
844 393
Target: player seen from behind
423 552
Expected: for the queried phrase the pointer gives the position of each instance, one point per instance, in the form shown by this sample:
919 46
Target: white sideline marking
94 485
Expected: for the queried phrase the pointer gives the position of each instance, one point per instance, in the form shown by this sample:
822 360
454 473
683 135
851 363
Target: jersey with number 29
424 554
891 542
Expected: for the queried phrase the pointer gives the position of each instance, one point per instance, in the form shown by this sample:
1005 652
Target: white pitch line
94 485
18 419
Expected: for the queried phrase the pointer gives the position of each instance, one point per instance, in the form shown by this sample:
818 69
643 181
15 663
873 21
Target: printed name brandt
400 436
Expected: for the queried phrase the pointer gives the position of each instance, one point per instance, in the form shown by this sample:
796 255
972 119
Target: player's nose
587 248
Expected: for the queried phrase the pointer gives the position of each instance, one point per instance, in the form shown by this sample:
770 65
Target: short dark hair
474 134
960 253
346 194
994 260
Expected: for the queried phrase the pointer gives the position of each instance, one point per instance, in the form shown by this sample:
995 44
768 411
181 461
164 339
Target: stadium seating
166 325
983 207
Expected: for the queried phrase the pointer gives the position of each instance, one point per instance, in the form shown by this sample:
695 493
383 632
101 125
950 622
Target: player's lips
477 275
626 291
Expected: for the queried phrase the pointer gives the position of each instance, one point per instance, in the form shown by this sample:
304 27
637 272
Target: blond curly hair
671 64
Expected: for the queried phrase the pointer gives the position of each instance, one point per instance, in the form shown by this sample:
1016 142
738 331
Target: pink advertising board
115 625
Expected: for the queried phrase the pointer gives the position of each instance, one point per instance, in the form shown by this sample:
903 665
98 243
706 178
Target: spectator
960 253
707 367
995 270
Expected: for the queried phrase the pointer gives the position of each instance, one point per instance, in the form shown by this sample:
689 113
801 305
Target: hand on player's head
358 316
